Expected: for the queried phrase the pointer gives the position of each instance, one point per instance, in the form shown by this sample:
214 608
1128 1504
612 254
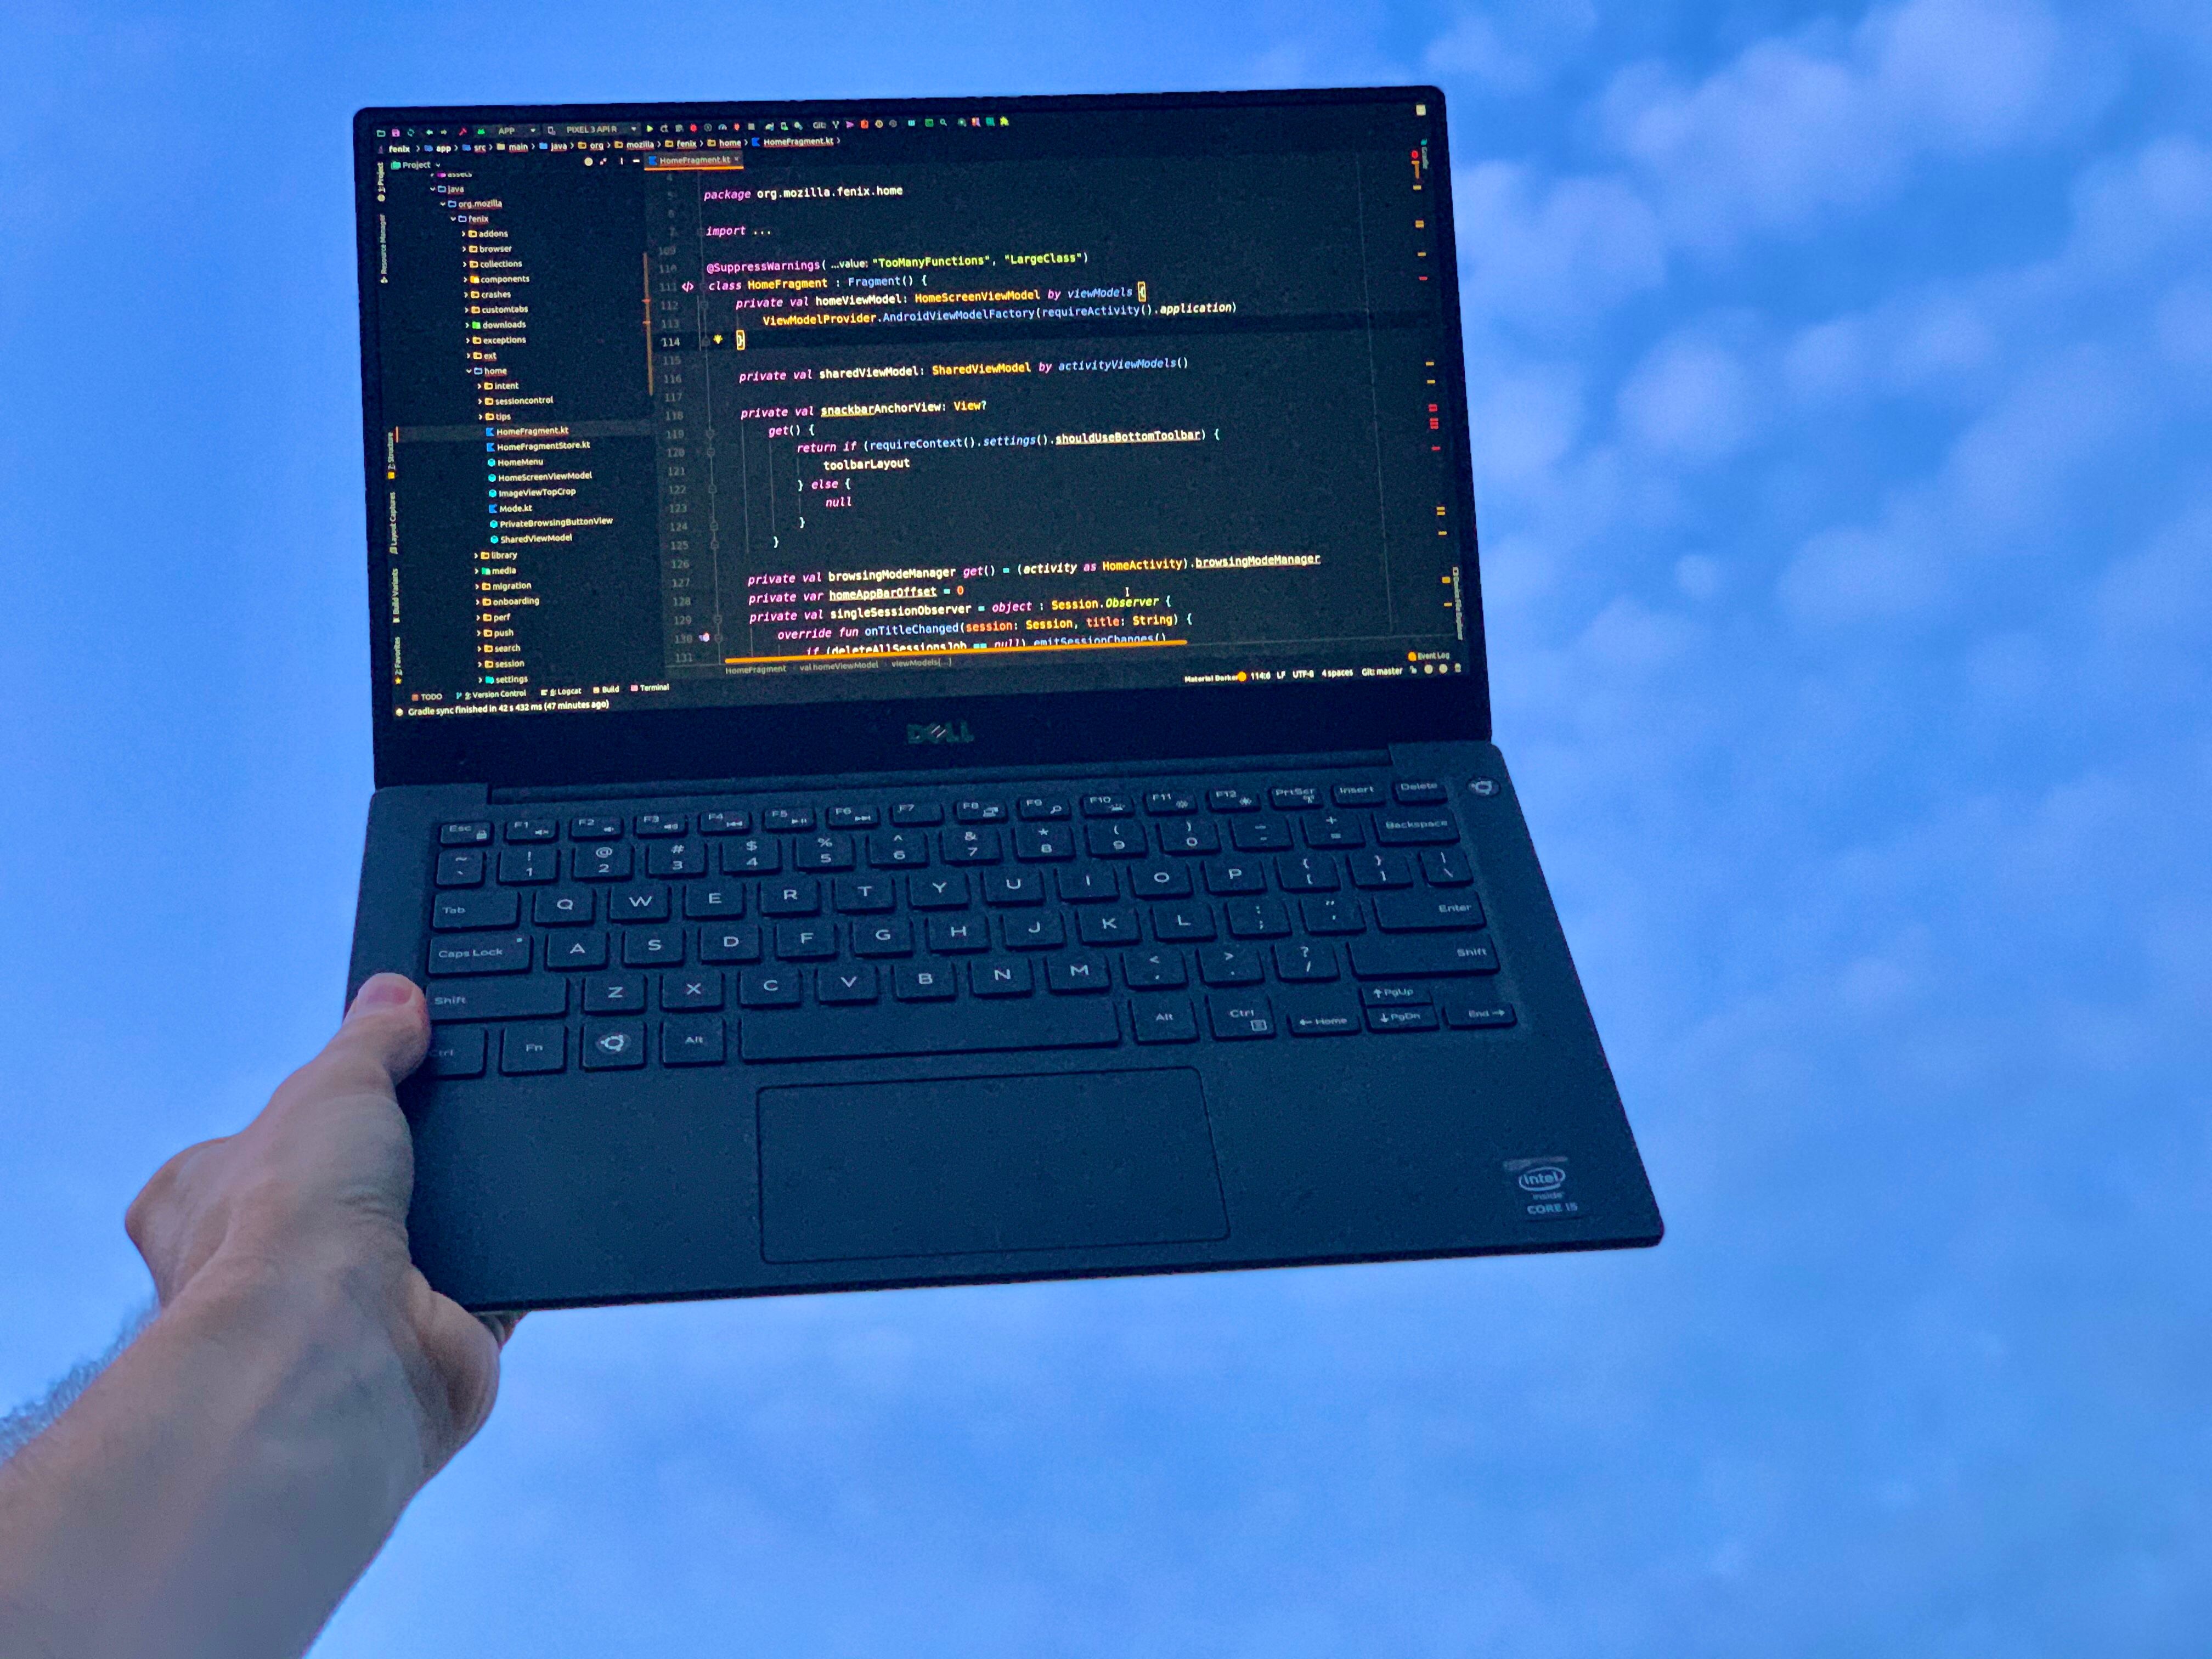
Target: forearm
216 1490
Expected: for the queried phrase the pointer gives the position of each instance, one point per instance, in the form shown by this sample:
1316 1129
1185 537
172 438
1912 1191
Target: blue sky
1842 379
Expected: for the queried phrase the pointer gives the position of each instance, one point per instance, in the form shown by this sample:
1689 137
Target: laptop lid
717 439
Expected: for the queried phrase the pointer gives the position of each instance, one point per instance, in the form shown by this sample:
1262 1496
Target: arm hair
27 1422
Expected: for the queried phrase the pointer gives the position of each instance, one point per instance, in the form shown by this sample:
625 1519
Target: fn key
524 1049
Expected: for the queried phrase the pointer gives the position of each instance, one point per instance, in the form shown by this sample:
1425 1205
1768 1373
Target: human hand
312 1197
215 1491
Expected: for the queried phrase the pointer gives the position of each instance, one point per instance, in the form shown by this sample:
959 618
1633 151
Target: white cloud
1972 75
1516 572
1690 400
1943 338
2005 490
2064 375
1551 256
1523 423
1828 363
1512 49
1793 129
1634 639
2009 465
2163 592
2010 670
2184 323
1698 575
1841 577
1943 342
2135 209
2134 249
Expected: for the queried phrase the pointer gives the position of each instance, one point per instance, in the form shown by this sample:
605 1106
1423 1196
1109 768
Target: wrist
220 1486
317 1361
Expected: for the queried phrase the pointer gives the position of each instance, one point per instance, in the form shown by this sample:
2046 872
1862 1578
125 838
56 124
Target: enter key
1459 912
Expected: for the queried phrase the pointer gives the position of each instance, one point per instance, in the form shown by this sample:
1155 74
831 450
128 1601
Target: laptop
931 717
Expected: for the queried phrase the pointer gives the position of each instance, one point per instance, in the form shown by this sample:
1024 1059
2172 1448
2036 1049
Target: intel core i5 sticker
1542 1185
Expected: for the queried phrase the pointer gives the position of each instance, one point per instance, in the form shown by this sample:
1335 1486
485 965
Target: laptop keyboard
950 920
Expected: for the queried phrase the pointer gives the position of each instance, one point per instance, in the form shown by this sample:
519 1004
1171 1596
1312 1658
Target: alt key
692 1040
1163 1019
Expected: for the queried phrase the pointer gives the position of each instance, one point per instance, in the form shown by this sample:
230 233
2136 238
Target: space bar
929 1029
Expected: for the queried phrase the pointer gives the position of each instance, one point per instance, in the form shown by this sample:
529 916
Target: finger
501 1325
387 1029
464 1358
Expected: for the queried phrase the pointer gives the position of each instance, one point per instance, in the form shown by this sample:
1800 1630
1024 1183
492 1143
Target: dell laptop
930 718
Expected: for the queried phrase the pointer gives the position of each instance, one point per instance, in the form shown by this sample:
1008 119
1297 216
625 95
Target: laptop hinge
816 780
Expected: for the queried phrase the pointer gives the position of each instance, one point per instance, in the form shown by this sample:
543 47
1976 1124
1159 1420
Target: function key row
923 815
909 849
670 826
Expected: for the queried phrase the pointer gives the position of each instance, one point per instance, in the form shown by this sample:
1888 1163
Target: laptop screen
734 406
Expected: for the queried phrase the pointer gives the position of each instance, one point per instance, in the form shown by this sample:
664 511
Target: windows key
611 1045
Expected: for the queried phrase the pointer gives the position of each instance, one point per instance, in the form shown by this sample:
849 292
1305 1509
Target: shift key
1421 958
498 998
480 953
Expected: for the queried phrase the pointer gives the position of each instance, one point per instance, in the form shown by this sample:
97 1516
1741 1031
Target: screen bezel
1037 728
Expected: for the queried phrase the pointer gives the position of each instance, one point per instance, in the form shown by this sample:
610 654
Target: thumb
387 1027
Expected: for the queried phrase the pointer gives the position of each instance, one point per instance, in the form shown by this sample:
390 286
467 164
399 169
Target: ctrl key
1237 1018
526 1048
456 1051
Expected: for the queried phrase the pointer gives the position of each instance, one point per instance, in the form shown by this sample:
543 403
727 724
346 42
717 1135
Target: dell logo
939 732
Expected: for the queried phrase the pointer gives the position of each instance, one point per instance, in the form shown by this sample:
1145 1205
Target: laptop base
1441 1093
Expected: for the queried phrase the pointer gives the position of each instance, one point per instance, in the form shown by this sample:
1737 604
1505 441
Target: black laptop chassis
597 1187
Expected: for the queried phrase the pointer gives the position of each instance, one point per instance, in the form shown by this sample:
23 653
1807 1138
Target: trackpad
955 1165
